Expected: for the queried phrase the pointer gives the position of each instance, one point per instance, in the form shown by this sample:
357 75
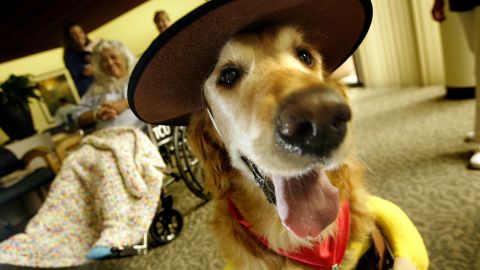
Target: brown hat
166 84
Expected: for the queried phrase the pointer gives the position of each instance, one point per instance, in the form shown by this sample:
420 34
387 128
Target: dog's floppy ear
209 149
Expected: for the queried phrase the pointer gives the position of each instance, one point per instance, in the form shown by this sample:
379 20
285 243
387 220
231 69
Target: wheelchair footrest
104 253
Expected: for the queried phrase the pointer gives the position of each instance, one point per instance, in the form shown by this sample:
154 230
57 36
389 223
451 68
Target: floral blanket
106 194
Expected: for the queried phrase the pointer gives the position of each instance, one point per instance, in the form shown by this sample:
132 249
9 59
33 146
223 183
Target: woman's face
78 36
162 22
113 63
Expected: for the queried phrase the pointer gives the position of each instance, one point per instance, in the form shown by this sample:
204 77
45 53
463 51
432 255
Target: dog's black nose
313 121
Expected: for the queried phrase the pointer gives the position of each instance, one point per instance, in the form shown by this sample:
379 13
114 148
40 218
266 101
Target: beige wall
403 46
406 47
134 28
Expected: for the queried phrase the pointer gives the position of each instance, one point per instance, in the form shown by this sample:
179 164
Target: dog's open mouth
306 203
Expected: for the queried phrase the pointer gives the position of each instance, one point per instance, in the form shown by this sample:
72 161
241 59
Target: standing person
469 13
161 20
62 112
76 56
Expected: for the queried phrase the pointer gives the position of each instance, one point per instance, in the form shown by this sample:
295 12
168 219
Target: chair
23 180
69 143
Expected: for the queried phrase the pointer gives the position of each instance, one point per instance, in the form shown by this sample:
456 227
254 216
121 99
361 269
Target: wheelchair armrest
40 151
44 153
66 145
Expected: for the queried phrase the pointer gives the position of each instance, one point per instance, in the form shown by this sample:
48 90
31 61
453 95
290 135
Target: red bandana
323 255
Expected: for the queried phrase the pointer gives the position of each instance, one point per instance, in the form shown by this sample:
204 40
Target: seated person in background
76 56
62 112
161 20
107 191
105 102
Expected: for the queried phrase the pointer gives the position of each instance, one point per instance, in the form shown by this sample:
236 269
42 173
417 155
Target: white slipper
475 160
470 137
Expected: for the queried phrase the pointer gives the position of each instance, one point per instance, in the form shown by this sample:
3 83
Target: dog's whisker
290 188
366 166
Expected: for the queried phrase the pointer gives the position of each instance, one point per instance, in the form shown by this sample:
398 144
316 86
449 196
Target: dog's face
273 106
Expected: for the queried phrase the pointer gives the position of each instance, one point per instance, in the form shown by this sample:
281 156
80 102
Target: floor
411 143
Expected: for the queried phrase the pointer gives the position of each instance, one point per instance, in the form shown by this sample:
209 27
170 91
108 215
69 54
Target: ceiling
32 26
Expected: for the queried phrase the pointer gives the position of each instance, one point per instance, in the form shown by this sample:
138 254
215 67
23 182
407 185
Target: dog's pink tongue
307 204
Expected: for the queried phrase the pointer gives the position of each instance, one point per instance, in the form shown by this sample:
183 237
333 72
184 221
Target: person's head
74 38
113 59
161 20
63 101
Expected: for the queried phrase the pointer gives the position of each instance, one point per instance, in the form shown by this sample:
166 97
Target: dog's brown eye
306 57
229 76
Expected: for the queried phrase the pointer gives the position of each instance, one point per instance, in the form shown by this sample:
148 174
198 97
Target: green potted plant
15 118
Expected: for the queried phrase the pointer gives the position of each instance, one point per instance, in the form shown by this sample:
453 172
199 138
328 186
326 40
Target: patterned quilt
106 194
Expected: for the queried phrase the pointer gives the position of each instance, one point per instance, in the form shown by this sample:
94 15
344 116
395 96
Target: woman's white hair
103 82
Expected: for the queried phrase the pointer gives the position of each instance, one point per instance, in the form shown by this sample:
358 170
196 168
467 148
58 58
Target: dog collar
324 255
267 186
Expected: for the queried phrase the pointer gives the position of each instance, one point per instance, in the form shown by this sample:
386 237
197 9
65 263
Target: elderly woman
107 191
105 103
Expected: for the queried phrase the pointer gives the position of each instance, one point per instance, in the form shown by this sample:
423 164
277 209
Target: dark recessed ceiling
32 26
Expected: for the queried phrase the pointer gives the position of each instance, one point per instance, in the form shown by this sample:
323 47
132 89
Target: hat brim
166 85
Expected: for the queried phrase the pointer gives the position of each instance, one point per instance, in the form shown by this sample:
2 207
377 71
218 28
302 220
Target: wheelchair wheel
187 163
166 226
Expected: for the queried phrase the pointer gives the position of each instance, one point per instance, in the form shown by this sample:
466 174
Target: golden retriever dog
275 116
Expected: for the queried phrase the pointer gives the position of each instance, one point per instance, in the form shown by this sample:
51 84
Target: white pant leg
471 25
476 35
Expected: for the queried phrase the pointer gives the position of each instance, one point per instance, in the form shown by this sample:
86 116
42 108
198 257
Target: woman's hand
105 113
108 110
438 12
91 117
117 105
88 70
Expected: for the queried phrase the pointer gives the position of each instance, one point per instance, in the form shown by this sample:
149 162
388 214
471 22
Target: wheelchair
182 166
167 223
